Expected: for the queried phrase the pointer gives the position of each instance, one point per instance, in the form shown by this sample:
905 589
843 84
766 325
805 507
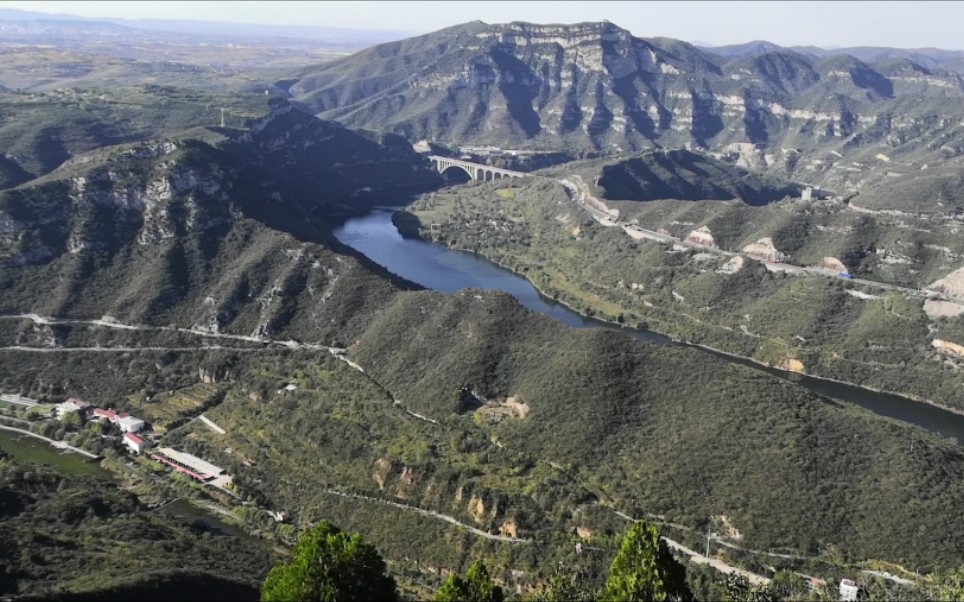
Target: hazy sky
898 24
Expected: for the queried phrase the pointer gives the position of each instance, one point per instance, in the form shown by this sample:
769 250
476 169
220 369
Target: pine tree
330 566
645 570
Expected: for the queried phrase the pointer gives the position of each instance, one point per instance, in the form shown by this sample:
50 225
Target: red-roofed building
99 414
135 443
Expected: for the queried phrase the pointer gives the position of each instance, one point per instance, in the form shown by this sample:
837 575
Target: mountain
68 537
754 48
681 175
932 58
464 407
595 86
190 224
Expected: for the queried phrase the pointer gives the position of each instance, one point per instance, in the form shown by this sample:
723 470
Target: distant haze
826 24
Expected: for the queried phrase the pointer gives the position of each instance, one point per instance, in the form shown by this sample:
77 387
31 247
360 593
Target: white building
70 406
129 424
135 443
205 470
849 590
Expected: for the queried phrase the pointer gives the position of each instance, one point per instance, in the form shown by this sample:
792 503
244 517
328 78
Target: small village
135 434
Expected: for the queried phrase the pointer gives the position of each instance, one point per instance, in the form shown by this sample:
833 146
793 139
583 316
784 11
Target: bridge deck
475 170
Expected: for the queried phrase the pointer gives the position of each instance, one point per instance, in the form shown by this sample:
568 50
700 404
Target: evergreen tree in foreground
645 570
328 565
477 586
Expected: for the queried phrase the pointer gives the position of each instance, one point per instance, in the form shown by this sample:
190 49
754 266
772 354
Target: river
439 268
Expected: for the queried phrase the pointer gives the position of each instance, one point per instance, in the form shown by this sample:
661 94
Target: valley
247 286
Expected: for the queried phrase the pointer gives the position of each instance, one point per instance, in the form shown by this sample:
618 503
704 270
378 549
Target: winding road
111 323
579 194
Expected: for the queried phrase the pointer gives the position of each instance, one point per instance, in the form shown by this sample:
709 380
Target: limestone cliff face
199 229
149 193
596 86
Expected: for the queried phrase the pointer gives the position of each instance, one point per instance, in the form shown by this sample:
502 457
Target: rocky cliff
596 86
211 230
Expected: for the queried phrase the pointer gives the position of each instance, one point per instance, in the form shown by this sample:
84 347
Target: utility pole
707 542
222 117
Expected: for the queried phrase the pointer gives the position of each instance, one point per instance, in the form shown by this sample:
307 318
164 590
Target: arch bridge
476 171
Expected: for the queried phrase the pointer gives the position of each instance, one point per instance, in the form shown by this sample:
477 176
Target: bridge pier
475 171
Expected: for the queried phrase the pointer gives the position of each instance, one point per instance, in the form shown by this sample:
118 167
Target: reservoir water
439 268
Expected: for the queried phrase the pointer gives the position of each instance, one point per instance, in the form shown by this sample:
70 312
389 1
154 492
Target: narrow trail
398 402
423 512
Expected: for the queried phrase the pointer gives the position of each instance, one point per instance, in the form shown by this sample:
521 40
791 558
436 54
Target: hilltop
596 87
677 174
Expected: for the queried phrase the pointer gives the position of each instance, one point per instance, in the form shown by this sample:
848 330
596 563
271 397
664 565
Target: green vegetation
475 431
881 341
62 534
27 450
328 565
41 131
644 569
476 586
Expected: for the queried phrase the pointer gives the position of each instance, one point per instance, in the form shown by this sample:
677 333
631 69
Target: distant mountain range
344 38
930 58
596 86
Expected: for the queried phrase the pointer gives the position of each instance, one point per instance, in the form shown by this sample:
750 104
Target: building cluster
128 425
133 430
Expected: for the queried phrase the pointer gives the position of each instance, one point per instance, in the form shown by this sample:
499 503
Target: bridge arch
475 171
448 169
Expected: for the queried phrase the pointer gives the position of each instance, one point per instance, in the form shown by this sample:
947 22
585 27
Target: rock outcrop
951 285
833 264
595 86
948 348
764 250
701 236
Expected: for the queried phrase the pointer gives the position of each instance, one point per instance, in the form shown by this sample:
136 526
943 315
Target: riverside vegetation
475 431
827 326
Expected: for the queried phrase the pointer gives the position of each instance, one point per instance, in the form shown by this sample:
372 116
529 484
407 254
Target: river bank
442 268
750 362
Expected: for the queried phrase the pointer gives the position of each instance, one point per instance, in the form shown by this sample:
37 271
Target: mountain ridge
595 86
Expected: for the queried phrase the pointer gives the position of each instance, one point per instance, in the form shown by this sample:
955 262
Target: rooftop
199 465
134 439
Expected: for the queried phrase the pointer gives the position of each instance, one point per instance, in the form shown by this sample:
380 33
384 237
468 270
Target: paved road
54 442
430 513
121 349
698 558
19 400
719 565
579 193
111 323
890 577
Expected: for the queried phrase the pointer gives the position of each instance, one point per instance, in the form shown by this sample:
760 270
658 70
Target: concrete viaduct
476 171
